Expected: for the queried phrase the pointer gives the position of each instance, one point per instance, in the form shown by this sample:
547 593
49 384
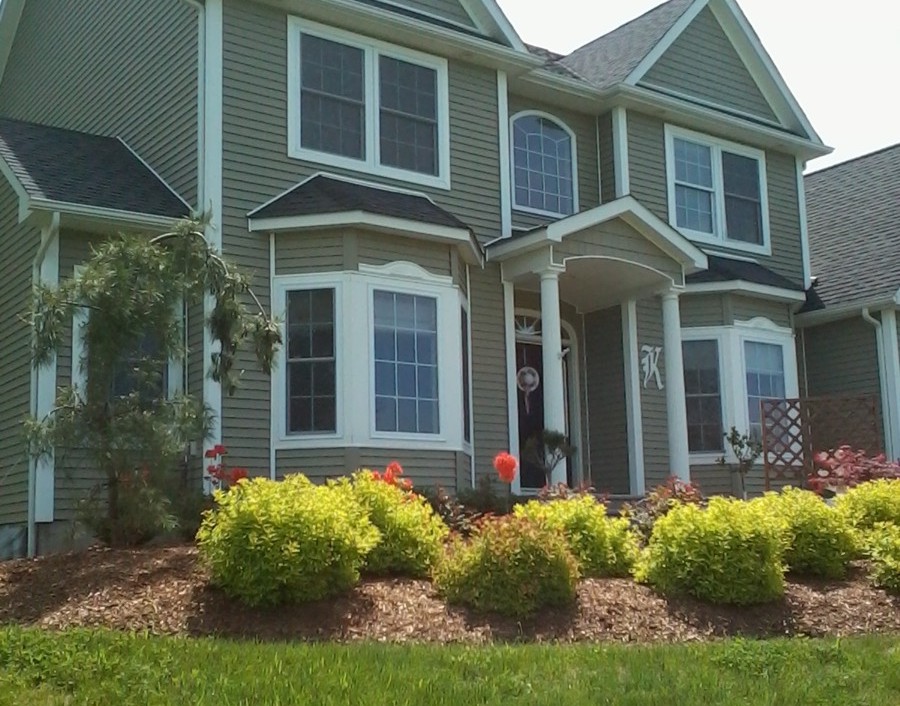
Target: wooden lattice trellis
793 430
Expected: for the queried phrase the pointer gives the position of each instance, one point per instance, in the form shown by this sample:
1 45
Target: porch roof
626 209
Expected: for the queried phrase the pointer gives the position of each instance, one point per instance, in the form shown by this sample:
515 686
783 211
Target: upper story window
717 191
365 105
544 165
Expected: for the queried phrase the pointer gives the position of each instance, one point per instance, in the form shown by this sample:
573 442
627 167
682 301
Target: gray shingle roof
853 211
88 170
609 59
323 194
722 269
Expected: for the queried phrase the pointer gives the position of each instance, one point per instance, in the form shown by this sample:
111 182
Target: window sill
708 239
404 444
538 212
707 458
365 167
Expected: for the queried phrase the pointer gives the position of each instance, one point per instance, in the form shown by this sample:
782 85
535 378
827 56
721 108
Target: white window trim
174 372
717 145
464 305
512 164
372 49
355 363
732 371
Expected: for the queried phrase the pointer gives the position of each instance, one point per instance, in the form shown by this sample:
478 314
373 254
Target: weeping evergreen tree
129 299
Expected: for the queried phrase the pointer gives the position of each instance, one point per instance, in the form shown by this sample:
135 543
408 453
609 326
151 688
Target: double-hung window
765 377
362 104
311 369
717 191
703 395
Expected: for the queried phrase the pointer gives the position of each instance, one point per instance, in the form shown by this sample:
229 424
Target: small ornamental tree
131 295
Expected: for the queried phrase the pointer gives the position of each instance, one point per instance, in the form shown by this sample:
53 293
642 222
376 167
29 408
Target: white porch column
551 344
679 461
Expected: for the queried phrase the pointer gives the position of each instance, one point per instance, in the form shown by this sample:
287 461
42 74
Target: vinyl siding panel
702 310
445 9
607 158
585 129
842 359
653 401
377 249
647 165
617 240
747 308
303 253
702 62
113 67
256 168
608 420
714 480
423 468
19 244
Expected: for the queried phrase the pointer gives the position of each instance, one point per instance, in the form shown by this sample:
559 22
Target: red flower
506 466
406 484
375 475
211 453
394 468
389 476
236 475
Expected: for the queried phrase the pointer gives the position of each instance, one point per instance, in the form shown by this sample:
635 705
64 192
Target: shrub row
269 542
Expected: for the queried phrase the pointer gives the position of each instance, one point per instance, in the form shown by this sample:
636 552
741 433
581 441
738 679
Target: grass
83 667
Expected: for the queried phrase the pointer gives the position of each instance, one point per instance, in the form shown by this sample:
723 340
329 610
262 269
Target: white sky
840 59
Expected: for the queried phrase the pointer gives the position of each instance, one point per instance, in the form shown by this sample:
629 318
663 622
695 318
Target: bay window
367 360
362 104
717 191
703 395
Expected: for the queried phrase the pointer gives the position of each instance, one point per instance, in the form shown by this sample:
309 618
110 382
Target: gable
448 10
703 63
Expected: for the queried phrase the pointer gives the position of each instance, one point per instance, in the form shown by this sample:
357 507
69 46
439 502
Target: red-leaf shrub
845 467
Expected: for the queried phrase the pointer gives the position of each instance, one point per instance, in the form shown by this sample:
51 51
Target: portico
604 259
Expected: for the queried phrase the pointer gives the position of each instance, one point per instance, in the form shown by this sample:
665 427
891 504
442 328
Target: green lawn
79 667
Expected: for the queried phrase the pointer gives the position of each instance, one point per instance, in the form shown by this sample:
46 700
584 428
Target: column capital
671 293
551 272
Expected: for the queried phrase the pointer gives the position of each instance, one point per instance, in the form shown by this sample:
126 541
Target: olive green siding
702 310
653 401
126 68
702 62
647 169
424 468
607 158
842 359
607 417
585 129
320 251
256 168
445 9
714 480
616 239
19 244
747 308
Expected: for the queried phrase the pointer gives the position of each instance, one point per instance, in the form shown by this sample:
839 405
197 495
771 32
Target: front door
529 384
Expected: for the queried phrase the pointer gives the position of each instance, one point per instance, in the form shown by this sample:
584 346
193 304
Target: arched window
543 165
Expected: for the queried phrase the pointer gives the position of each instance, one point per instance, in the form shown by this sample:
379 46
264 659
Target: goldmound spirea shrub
412 535
512 566
269 542
603 546
816 539
870 503
883 548
729 552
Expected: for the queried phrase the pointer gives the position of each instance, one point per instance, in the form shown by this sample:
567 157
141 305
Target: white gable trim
10 14
751 52
17 186
489 18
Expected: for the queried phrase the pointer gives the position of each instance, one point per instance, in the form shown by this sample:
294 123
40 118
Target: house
469 239
849 326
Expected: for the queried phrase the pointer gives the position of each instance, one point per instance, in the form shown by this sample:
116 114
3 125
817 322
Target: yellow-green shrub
270 542
816 539
412 535
603 546
511 565
870 503
883 547
727 553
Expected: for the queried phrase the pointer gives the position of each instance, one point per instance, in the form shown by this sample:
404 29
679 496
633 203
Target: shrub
603 546
458 517
269 542
816 539
870 503
727 553
644 513
511 565
412 535
883 547
845 467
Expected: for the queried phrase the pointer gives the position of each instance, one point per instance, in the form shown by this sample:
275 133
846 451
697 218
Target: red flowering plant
644 513
506 466
221 477
839 469
391 476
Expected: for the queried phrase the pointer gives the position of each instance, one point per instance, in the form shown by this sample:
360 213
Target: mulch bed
165 591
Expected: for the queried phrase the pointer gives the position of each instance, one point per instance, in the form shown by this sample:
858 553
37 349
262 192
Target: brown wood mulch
165 591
